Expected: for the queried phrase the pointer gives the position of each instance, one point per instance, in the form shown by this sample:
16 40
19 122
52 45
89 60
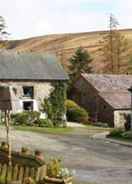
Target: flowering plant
64 173
55 169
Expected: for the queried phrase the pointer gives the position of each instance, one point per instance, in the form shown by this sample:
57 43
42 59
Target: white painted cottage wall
41 90
119 119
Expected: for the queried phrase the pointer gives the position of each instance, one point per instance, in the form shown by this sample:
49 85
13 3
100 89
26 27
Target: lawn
88 130
45 130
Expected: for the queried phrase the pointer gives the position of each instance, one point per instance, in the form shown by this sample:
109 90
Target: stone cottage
30 76
106 97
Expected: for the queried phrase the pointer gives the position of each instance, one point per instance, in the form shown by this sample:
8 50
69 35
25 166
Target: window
28 91
28 105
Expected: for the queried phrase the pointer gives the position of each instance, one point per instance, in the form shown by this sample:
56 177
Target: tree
114 47
54 106
3 32
79 62
129 67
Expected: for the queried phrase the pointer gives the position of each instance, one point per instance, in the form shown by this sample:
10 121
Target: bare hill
64 45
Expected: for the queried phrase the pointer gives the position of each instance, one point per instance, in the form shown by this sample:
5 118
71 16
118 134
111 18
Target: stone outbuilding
30 75
106 97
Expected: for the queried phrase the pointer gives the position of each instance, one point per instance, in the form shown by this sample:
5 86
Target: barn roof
109 82
30 66
120 100
112 88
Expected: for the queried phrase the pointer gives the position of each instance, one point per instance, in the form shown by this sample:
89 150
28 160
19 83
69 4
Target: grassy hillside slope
64 45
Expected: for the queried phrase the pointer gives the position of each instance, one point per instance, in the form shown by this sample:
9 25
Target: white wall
41 90
119 120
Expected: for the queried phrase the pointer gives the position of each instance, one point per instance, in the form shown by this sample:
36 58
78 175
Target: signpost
6 107
130 90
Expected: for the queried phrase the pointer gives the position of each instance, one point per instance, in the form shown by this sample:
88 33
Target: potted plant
4 146
25 151
56 174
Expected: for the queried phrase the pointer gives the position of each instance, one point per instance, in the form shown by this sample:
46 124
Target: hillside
64 45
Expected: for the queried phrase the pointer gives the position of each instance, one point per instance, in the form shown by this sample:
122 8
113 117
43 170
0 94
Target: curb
122 143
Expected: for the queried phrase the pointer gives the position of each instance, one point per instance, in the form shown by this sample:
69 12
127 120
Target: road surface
92 160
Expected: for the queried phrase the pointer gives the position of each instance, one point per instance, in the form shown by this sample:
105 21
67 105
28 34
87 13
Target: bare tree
114 47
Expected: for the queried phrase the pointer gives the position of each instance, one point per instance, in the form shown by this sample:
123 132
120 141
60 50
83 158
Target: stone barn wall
88 97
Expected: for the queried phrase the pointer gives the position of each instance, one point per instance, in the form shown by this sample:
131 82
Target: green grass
45 130
121 138
68 130
121 135
97 127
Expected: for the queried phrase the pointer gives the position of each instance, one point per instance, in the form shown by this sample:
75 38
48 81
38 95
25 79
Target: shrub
75 112
33 117
45 123
117 132
127 135
71 104
55 169
20 118
27 118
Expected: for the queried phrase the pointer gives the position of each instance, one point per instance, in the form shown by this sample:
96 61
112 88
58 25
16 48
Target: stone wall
105 112
41 90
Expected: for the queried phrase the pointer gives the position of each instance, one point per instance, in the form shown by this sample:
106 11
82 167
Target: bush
45 123
71 104
19 118
33 117
75 112
117 132
55 169
127 135
25 118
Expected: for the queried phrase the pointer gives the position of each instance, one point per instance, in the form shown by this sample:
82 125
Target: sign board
5 98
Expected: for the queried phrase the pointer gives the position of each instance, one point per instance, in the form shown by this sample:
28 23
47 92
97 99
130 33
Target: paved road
94 160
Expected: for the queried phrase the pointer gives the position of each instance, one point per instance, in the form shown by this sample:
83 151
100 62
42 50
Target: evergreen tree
79 63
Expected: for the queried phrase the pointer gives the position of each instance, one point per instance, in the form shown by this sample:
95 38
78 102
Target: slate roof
30 66
109 82
120 100
112 88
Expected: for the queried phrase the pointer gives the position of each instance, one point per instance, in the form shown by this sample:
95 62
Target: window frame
30 88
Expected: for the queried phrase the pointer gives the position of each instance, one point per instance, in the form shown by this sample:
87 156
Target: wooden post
7 124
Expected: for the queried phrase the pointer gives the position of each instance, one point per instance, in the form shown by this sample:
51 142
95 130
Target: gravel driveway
94 160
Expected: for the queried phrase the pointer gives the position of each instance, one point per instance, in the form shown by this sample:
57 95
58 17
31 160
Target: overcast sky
26 18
